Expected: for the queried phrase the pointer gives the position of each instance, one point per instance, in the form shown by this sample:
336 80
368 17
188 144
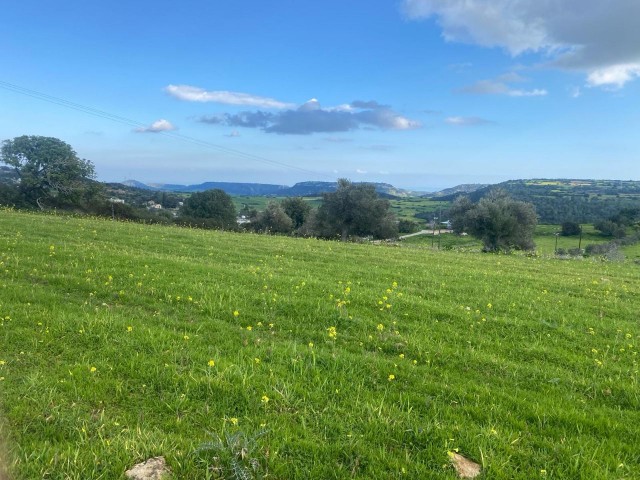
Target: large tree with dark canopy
211 208
499 221
354 209
49 171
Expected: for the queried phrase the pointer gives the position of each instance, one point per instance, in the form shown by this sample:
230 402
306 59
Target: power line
133 123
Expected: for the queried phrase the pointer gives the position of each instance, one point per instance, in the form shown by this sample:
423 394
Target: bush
408 226
570 228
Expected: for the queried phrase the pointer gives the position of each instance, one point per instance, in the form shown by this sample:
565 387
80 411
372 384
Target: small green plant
235 455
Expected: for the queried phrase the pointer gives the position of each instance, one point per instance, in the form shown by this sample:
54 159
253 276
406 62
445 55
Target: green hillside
561 200
121 341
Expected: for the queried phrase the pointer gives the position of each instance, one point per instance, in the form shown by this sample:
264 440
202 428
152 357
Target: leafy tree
569 229
272 220
48 169
458 212
211 208
297 210
499 221
609 228
408 226
354 209
627 216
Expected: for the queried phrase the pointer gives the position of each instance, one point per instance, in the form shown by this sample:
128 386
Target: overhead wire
136 124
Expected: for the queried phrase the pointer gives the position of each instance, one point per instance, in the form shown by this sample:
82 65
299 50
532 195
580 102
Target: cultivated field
119 342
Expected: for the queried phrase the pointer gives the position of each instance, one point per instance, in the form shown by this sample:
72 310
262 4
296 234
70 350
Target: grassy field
122 341
545 240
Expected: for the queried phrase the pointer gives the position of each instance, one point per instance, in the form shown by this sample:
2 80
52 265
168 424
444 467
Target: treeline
559 201
352 211
46 173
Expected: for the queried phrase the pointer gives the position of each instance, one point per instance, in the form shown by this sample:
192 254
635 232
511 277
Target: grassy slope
523 364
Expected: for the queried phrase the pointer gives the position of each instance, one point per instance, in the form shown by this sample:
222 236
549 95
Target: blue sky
423 94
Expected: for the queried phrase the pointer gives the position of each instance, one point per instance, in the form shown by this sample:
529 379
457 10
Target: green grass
524 364
407 208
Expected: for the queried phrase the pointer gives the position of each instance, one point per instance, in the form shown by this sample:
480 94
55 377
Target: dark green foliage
408 226
616 225
627 217
570 228
499 221
461 206
272 220
10 195
297 210
609 228
584 201
354 210
50 172
167 199
210 209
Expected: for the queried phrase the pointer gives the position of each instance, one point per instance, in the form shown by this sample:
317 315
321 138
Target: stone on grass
465 468
153 469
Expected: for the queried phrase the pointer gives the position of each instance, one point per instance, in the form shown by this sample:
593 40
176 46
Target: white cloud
466 121
196 94
616 75
161 125
597 37
359 170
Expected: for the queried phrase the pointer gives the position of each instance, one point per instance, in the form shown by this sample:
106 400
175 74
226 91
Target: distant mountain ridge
300 189
463 189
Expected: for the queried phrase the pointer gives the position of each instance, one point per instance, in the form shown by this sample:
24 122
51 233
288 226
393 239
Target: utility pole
580 240
433 231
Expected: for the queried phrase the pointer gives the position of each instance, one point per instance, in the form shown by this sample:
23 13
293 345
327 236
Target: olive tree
47 168
273 219
211 208
297 210
501 222
354 209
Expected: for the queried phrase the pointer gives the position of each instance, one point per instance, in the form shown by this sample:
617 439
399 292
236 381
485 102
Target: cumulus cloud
597 37
311 117
189 93
616 75
467 121
161 125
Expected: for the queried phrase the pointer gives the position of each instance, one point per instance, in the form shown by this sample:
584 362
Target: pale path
423 232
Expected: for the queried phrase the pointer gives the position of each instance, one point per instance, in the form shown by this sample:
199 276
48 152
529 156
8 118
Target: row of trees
48 172
353 210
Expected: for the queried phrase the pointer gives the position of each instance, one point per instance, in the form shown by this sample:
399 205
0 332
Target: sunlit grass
124 341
